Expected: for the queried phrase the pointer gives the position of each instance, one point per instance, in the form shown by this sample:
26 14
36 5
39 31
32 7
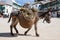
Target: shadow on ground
9 35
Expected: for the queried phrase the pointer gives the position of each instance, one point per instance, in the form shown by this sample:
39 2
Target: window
38 0
45 0
7 10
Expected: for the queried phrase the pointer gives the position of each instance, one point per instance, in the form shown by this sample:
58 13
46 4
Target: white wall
36 6
8 8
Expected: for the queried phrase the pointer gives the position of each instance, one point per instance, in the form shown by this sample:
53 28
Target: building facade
7 6
54 4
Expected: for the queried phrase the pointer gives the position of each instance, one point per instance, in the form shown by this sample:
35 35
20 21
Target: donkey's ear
18 12
22 9
34 10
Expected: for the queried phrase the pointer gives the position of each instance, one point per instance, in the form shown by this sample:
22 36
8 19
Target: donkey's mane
43 13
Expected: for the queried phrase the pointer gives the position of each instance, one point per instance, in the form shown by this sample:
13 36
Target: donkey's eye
24 11
48 14
28 13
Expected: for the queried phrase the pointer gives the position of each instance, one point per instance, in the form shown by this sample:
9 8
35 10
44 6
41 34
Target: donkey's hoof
25 34
37 35
12 34
17 33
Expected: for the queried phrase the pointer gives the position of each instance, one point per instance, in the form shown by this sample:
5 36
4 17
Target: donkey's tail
9 19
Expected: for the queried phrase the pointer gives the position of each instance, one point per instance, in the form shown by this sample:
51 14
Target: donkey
26 16
22 17
46 15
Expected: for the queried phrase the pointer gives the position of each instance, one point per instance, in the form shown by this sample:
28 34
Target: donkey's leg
16 29
12 25
36 30
15 23
11 29
27 31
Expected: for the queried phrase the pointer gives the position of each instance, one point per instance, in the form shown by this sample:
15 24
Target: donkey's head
27 13
47 16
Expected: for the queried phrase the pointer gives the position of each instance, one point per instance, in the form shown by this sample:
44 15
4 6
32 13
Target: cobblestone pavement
46 31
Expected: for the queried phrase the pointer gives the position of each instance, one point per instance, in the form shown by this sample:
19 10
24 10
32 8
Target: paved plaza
46 31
